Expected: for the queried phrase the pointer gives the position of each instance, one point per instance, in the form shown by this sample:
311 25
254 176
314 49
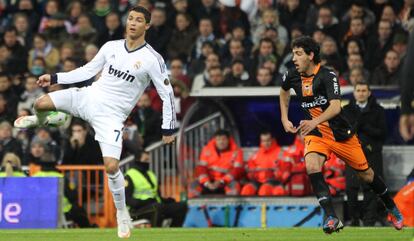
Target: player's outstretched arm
44 80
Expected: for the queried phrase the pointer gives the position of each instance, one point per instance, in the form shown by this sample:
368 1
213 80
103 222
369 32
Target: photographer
81 149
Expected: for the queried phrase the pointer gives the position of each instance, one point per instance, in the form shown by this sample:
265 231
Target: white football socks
117 187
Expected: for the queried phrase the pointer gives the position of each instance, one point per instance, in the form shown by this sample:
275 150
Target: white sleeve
85 72
159 76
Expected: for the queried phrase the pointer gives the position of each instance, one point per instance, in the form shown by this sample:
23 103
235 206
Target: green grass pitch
211 234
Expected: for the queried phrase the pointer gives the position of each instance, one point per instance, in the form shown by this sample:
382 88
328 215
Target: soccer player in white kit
127 65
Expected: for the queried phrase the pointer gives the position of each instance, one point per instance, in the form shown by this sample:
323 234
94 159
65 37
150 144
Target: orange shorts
350 151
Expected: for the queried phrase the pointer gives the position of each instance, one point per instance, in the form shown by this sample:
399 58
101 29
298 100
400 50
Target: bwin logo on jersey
120 74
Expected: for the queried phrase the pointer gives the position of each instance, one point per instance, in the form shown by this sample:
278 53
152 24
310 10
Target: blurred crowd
206 43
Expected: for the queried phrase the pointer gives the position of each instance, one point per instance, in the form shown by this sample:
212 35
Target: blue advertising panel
29 202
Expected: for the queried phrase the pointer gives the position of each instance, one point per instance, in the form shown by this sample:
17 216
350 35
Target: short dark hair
140 9
362 82
309 45
266 132
222 132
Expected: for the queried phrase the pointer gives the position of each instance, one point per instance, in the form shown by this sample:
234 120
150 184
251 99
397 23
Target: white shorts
80 102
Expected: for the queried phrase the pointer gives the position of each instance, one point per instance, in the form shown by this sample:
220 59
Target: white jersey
125 75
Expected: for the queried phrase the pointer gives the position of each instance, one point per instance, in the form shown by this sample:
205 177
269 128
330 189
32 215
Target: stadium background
360 40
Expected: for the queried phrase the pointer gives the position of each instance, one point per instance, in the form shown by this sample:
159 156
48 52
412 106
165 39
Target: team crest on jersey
137 64
307 89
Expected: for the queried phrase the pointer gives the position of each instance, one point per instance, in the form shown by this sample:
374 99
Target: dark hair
140 9
266 132
363 82
78 122
10 29
215 67
4 74
221 132
309 45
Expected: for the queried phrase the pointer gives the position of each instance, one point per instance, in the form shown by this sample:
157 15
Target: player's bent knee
313 163
44 103
111 165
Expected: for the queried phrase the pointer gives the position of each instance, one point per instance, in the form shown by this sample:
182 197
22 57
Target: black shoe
332 224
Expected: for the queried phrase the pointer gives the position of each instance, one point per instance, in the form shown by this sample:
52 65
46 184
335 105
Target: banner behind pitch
29 202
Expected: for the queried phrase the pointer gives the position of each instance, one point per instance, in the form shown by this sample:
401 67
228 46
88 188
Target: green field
211 234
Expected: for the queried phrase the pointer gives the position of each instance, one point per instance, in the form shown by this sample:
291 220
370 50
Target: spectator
73 11
208 9
49 136
183 37
159 35
143 196
292 12
10 39
264 78
399 44
379 44
27 7
387 73
330 52
216 78
368 119
8 94
11 166
236 51
101 9
147 120
7 142
177 72
239 33
182 99
24 33
270 18
67 50
81 148
54 24
238 76
231 16
359 10
86 34
8 64
357 29
179 7
356 75
264 51
198 65
355 61
205 33
38 67
219 168
271 32
261 167
354 46
201 79
328 23
43 48
31 93
113 29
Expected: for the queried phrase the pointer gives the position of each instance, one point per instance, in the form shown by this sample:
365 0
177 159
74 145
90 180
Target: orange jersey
315 92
